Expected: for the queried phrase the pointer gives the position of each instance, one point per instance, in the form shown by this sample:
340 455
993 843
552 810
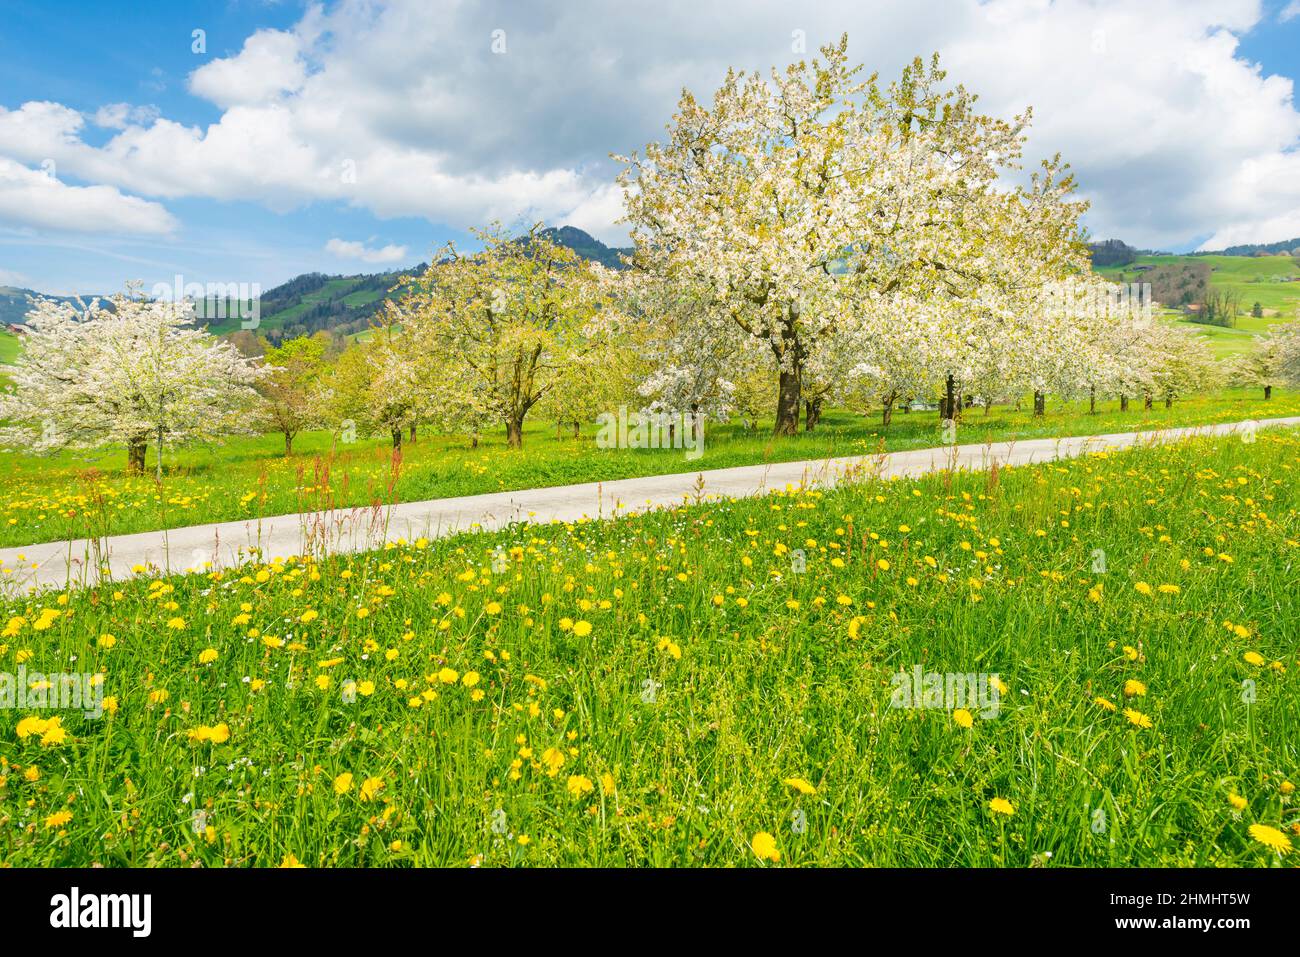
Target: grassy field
711 685
9 348
72 496
1268 280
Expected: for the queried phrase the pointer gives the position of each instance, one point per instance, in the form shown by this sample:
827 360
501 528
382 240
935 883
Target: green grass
710 664
1251 279
9 348
73 496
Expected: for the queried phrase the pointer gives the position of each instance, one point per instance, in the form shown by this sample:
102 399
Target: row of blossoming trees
806 239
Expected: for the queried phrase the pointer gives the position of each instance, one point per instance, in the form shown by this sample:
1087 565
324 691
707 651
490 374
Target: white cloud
269 66
1289 12
402 108
346 249
117 116
33 198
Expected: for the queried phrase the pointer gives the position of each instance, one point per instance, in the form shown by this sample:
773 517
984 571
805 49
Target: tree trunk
787 402
948 404
577 427
135 450
1123 403
1268 392
473 441
288 444
1040 404
397 439
970 401
515 432
887 409
1092 400
412 433
1169 402
1147 404
813 414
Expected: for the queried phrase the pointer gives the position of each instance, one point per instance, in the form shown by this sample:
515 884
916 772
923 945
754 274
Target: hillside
346 304
314 302
1185 282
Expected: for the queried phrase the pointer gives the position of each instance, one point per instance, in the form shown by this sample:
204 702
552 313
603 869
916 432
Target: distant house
16 328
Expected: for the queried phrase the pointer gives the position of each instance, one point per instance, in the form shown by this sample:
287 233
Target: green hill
1182 283
347 304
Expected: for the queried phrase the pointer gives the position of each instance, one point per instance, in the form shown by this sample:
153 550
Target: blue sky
126 154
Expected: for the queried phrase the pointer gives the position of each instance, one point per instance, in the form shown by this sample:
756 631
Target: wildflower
1104 703
207 656
58 819
1133 687
1253 658
553 759
343 783
1270 837
800 785
582 628
370 787
764 847
1237 801
291 861
579 784
1137 718
963 718
1002 806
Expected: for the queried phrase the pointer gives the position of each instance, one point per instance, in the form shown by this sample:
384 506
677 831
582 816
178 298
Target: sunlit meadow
709 685
87 495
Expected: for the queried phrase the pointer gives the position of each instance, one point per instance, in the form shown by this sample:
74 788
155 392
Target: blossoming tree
129 373
793 199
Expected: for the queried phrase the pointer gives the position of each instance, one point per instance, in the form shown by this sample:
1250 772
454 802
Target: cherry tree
509 318
1266 365
792 198
127 373
292 390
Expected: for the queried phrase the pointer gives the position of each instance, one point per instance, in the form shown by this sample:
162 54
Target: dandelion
579 784
1002 806
1137 718
1133 687
343 783
553 760
1237 801
963 718
764 847
371 787
58 819
1270 837
1253 658
582 628
800 785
